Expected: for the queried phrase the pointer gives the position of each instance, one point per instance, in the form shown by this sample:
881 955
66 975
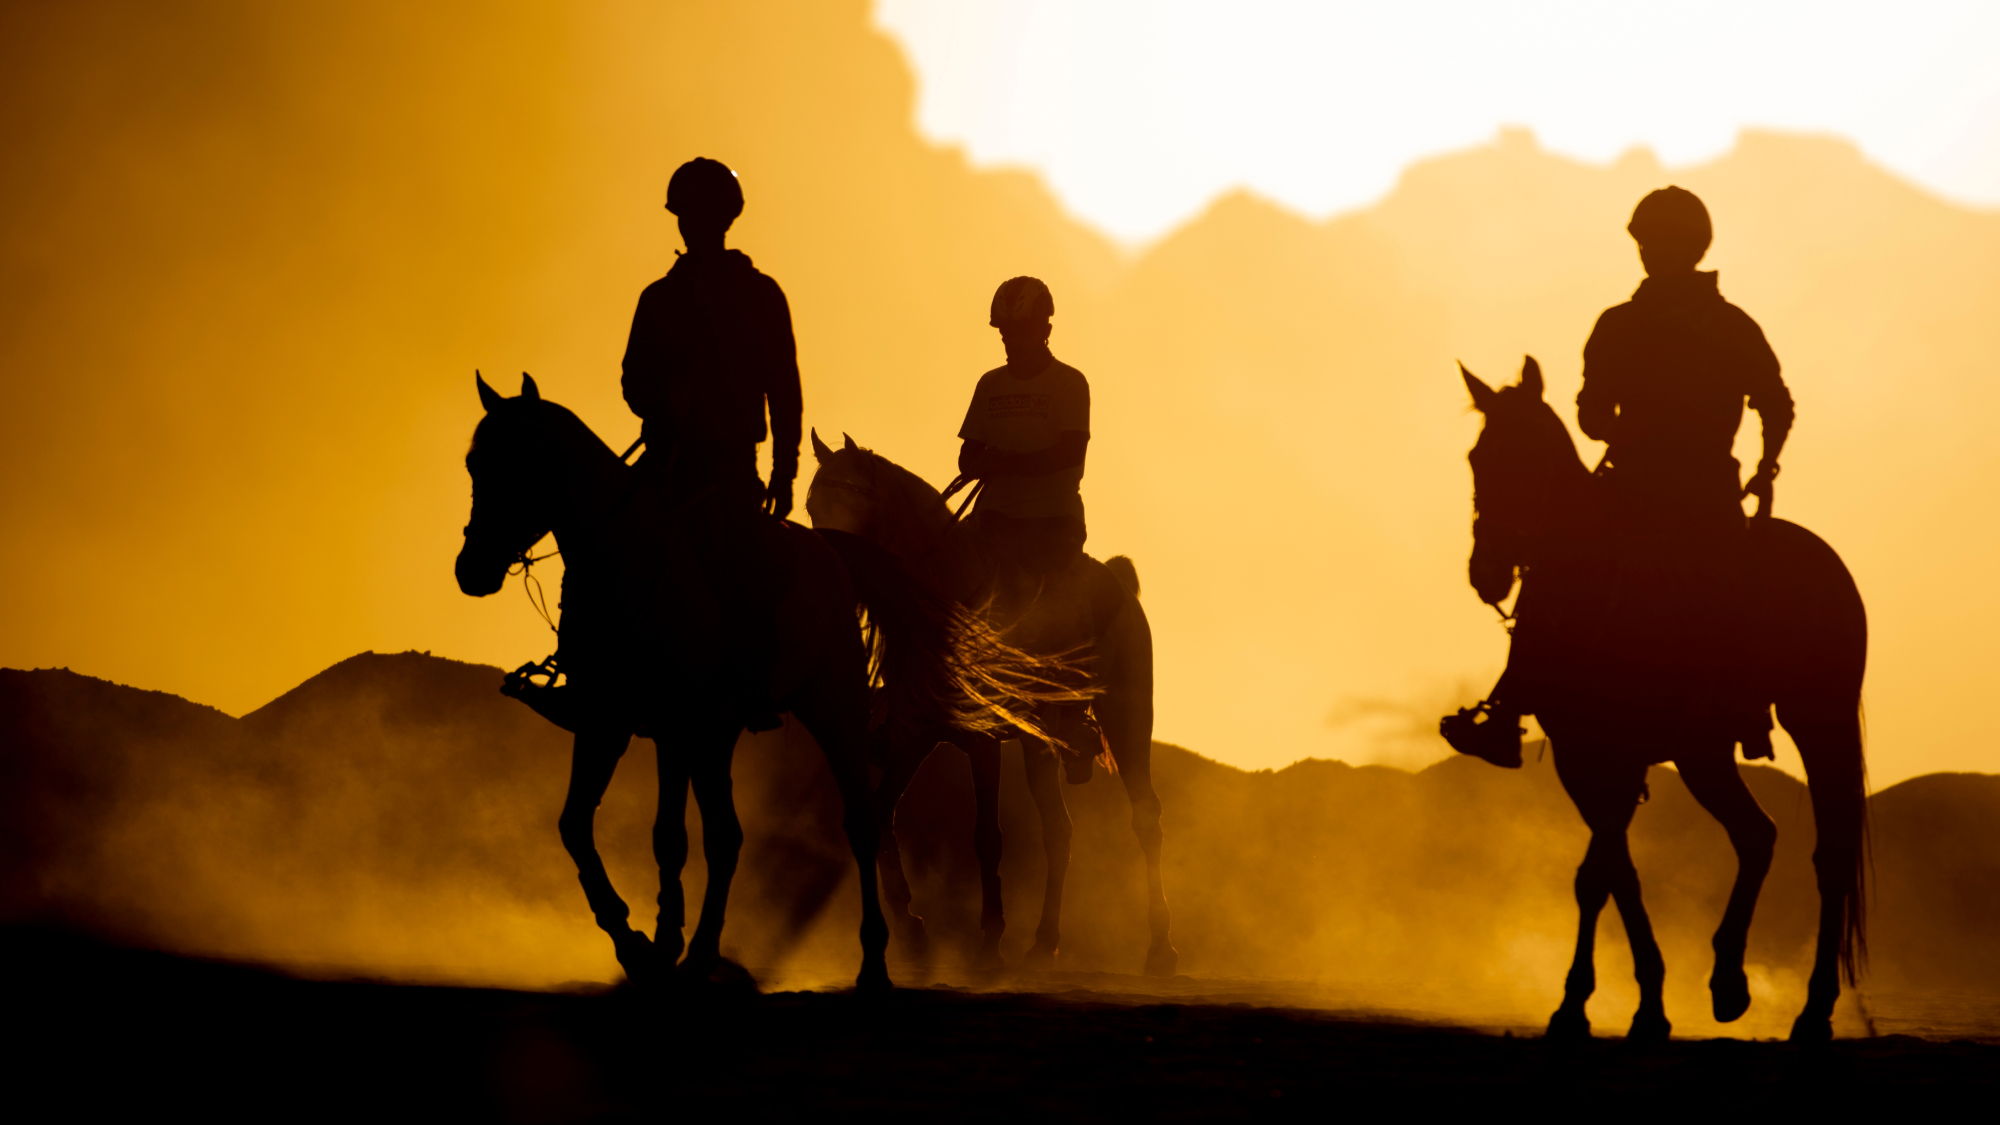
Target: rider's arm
977 459
1767 394
643 381
781 387
1597 402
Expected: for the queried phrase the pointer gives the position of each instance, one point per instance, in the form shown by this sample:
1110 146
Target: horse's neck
939 552
590 491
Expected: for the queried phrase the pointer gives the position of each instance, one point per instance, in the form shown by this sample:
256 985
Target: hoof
1162 960
1730 990
1040 959
637 957
1568 1026
1812 1029
1649 1027
874 978
715 978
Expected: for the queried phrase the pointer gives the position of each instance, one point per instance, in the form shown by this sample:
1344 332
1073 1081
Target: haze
253 255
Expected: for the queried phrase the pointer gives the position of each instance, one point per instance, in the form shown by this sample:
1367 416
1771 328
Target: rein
960 481
532 586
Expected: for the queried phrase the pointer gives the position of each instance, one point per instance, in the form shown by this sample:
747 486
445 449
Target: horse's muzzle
480 573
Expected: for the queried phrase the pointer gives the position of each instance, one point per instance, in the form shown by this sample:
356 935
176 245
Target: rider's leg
1714 780
724 522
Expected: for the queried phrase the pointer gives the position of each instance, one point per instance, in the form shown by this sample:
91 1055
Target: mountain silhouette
395 816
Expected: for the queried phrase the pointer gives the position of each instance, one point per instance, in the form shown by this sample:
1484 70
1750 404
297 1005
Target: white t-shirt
1026 416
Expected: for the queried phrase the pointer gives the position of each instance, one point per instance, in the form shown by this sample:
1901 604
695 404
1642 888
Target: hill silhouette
338 224
394 816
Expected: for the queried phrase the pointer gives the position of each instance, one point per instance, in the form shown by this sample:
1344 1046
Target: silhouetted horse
1091 611
1537 505
640 649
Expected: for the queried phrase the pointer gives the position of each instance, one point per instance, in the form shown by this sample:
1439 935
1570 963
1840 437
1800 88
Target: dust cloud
253 254
394 817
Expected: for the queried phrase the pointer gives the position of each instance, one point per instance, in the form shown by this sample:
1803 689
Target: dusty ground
119 1029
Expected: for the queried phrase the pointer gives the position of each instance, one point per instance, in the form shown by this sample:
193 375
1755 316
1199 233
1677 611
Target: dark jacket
711 345
1665 379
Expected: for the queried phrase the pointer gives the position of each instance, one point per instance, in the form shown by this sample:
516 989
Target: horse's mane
518 419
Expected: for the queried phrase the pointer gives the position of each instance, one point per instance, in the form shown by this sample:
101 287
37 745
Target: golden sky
252 256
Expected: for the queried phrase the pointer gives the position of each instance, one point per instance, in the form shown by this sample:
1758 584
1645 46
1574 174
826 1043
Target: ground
112 1028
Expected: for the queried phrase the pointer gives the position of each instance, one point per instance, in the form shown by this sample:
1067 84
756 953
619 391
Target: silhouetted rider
1666 376
711 348
1025 436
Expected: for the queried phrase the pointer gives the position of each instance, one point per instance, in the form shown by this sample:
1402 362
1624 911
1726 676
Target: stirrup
1490 740
551 699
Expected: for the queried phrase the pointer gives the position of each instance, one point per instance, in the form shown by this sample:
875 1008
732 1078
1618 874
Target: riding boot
1488 731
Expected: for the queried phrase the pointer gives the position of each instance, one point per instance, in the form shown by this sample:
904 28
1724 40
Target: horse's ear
1531 376
849 441
1482 395
488 397
529 390
820 450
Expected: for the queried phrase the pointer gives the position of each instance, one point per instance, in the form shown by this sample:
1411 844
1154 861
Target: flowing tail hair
1854 912
934 662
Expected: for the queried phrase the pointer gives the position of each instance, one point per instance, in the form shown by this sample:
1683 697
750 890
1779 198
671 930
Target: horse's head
512 486
1523 452
845 492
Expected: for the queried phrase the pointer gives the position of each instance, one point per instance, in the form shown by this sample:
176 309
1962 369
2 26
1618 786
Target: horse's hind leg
592 762
709 756
1714 779
903 759
1038 761
984 755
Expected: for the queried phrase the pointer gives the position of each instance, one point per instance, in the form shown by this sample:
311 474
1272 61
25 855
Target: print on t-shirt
1027 416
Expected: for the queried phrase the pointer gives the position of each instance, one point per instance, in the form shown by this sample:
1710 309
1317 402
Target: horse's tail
934 661
1820 634
1856 828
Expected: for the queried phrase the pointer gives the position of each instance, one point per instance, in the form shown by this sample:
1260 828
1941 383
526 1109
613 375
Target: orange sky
252 259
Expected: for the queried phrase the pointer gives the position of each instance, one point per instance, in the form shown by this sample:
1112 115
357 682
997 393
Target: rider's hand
778 497
1760 486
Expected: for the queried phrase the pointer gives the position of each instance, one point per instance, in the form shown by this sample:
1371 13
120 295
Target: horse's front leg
1714 780
670 850
708 759
1039 762
904 756
593 760
835 712
984 755
1606 792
